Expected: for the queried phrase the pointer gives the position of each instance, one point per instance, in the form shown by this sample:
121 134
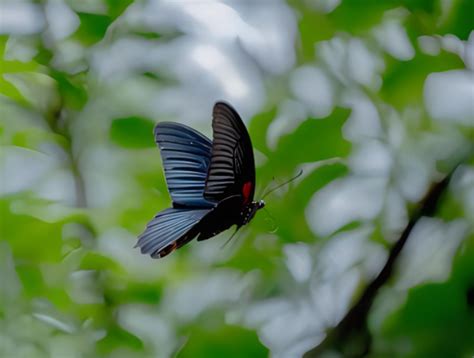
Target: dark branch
352 332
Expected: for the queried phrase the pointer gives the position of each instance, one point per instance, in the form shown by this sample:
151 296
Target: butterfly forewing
186 156
232 168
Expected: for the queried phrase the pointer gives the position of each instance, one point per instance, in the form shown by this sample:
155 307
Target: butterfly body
211 184
227 214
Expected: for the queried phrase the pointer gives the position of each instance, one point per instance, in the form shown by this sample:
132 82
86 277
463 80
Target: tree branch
351 333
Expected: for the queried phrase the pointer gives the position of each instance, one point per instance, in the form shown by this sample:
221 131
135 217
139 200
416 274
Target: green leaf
132 132
30 239
93 27
96 261
258 129
118 337
290 212
460 20
404 81
314 26
358 17
148 293
117 7
71 89
11 92
314 140
437 319
226 341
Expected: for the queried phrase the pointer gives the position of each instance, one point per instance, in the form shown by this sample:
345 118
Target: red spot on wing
246 190
168 249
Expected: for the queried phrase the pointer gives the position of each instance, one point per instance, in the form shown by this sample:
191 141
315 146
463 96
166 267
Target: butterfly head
250 210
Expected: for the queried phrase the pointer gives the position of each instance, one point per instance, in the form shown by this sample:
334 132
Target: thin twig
355 321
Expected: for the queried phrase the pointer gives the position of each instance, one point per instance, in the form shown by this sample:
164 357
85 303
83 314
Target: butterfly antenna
283 184
268 184
272 220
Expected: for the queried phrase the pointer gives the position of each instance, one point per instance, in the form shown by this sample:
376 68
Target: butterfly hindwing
186 156
232 166
169 230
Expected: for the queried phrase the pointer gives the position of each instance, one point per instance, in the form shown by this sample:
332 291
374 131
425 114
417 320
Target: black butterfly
212 184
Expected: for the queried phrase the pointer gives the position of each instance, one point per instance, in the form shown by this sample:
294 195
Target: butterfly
211 183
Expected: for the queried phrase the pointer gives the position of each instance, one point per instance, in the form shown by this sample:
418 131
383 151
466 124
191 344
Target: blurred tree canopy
372 99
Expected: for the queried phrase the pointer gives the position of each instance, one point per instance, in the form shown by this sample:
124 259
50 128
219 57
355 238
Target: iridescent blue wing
186 155
169 230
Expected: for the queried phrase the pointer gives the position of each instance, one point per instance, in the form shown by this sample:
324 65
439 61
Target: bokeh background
372 99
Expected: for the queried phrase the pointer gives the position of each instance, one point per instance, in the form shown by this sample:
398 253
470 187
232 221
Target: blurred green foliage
71 283
130 132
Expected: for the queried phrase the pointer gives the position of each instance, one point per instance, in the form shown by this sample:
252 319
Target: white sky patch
223 50
98 164
325 6
58 187
298 261
453 44
22 168
20 18
20 48
449 96
363 64
125 55
290 326
313 87
290 114
394 216
371 157
344 201
83 287
413 173
62 21
68 56
211 59
205 70
287 327
364 120
331 298
211 17
430 45
392 37
352 61
429 251
187 299
147 323
266 31
118 244
271 40
333 53
347 250
395 129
